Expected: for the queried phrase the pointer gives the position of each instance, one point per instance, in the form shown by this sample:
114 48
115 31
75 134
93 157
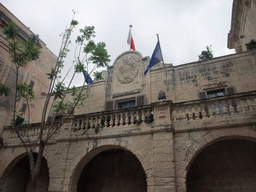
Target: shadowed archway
17 176
113 170
226 165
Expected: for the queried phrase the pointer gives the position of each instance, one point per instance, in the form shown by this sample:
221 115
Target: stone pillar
162 112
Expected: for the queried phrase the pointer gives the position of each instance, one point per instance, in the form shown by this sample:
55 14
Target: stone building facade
192 131
201 137
243 27
32 73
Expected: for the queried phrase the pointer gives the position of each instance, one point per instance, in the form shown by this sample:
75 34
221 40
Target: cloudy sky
185 27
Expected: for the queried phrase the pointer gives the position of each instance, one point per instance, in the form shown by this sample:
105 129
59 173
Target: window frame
227 91
117 102
140 100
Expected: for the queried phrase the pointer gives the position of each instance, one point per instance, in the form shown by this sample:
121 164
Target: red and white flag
130 39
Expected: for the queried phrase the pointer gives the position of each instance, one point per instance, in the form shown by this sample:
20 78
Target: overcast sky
185 27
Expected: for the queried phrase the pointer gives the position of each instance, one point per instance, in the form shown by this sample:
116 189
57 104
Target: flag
130 39
87 78
155 58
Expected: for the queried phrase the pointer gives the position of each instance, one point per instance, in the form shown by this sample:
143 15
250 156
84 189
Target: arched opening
227 165
113 170
19 179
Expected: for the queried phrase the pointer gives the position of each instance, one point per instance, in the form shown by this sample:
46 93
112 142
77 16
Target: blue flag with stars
156 57
87 78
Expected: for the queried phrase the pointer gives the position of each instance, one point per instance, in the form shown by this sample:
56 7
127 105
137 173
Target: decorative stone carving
127 68
161 95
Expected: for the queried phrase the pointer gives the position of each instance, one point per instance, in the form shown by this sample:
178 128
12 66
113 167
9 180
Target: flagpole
166 77
130 31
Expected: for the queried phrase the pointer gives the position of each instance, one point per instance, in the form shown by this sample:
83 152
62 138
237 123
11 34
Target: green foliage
90 46
59 90
11 30
87 33
79 67
19 121
21 53
24 91
51 74
100 55
251 45
74 22
206 54
60 106
149 119
4 89
79 98
30 51
73 91
35 39
97 75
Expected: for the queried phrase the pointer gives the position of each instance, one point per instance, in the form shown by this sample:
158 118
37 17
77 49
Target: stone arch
17 160
9 168
218 135
214 138
89 156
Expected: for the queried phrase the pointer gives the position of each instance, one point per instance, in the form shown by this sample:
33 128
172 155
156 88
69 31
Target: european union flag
87 78
156 57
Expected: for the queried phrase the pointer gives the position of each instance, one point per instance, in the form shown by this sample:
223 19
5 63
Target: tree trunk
35 167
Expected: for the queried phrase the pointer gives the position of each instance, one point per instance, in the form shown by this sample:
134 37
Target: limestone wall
242 24
33 71
186 81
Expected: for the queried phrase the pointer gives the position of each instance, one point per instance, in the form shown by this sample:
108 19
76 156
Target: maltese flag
130 39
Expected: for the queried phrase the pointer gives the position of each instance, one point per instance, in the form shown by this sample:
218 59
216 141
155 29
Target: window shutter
202 95
109 105
141 100
230 91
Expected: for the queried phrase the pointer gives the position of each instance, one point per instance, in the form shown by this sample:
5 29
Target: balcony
220 112
225 111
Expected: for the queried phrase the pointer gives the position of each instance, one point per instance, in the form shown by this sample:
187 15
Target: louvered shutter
109 105
230 91
202 95
141 100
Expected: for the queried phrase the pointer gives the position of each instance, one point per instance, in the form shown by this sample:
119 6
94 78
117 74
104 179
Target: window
125 103
216 92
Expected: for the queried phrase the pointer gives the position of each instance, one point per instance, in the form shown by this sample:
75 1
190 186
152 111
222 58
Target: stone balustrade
27 133
163 112
214 107
113 119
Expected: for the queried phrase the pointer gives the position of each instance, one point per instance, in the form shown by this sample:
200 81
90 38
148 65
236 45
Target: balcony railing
113 119
232 106
27 133
214 107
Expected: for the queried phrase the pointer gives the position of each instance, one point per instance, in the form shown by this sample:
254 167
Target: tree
206 54
251 45
97 75
23 52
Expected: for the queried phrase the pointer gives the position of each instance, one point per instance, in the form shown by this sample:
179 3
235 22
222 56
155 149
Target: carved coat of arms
127 69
